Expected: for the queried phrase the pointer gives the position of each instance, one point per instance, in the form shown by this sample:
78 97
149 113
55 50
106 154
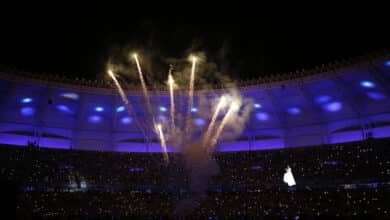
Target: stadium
337 103
71 149
157 112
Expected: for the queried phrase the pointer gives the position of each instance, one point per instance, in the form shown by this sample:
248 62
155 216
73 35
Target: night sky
244 43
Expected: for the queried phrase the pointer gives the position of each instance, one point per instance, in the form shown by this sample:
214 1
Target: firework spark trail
126 101
162 142
221 104
171 83
234 107
144 89
191 92
192 82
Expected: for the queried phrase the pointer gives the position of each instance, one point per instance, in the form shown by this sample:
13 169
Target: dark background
246 42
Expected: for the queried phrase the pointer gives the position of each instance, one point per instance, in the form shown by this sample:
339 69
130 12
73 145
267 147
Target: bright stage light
194 109
387 63
26 100
367 84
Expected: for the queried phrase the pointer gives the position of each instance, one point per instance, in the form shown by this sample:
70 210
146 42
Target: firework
162 142
144 89
234 107
192 82
221 104
125 99
171 84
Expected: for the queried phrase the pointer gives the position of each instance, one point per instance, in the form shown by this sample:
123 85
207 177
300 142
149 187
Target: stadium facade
332 104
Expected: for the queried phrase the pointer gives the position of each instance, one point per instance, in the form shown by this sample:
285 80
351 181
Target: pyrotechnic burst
160 133
192 82
221 104
234 107
196 143
144 88
171 84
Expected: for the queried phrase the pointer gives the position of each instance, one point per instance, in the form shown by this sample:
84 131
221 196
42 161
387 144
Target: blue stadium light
95 119
126 120
64 108
294 111
26 100
367 84
376 95
199 122
387 63
333 106
27 111
262 116
120 109
194 109
163 109
70 95
99 109
257 105
323 99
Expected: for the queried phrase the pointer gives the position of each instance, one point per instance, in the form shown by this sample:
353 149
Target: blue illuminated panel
99 109
95 119
120 109
27 111
26 100
367 84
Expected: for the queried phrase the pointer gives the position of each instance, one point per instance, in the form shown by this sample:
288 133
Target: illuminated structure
336 103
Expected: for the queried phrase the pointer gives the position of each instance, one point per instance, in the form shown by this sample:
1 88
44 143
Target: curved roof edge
324 70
